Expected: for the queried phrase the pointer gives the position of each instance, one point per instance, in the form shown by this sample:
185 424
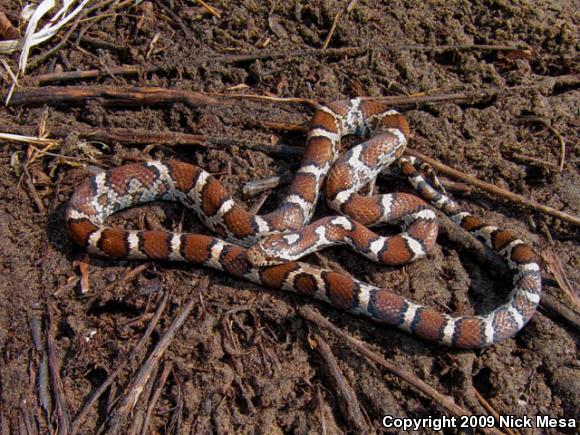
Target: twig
444 401
138 416
337 17
120 415
43 372
490 409
255 209
255 187
174 425
562 146
399 100
177 19
302 128
46 79
419 100
105 45
346 397
554 265
555 132
482 253
321 410
130 136
523 158
455 186
100 5
167 367
109 95
79 419
9 137
307 101
61 406
28 417
497 191
249 57
32 189
483 402
219 59
157 95
34 62
554 307
210 9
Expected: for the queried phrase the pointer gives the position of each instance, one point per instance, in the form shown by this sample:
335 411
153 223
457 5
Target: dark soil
243 361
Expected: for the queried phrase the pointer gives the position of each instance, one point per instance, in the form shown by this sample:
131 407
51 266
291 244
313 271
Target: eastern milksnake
270 261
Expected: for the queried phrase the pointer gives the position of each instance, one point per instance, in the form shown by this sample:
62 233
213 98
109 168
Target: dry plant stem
487 406
321 410
302 128
46 79
455 186
554 265
140 96
98 43
98 6
175 17
255 209
109 95
28 417
167 367
554 307
399 101
346 397
242 58
61 406
522 158
252 97
350 6
210 9
497 191
79 419
32 189
418 100
546 124
255 187
127 276
135 425
42 371
34 62
130 136
482 253
127 404
562 143
444 401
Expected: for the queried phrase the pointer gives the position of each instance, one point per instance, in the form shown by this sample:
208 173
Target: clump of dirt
243 360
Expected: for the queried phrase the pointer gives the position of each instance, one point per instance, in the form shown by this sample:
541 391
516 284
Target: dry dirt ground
243 361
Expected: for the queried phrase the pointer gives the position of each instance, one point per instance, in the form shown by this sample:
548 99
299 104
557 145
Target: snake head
259 258
268 251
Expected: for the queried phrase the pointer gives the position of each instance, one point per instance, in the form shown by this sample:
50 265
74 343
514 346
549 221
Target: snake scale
264 248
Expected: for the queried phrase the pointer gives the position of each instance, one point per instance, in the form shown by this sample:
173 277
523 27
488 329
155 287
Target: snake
265 249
